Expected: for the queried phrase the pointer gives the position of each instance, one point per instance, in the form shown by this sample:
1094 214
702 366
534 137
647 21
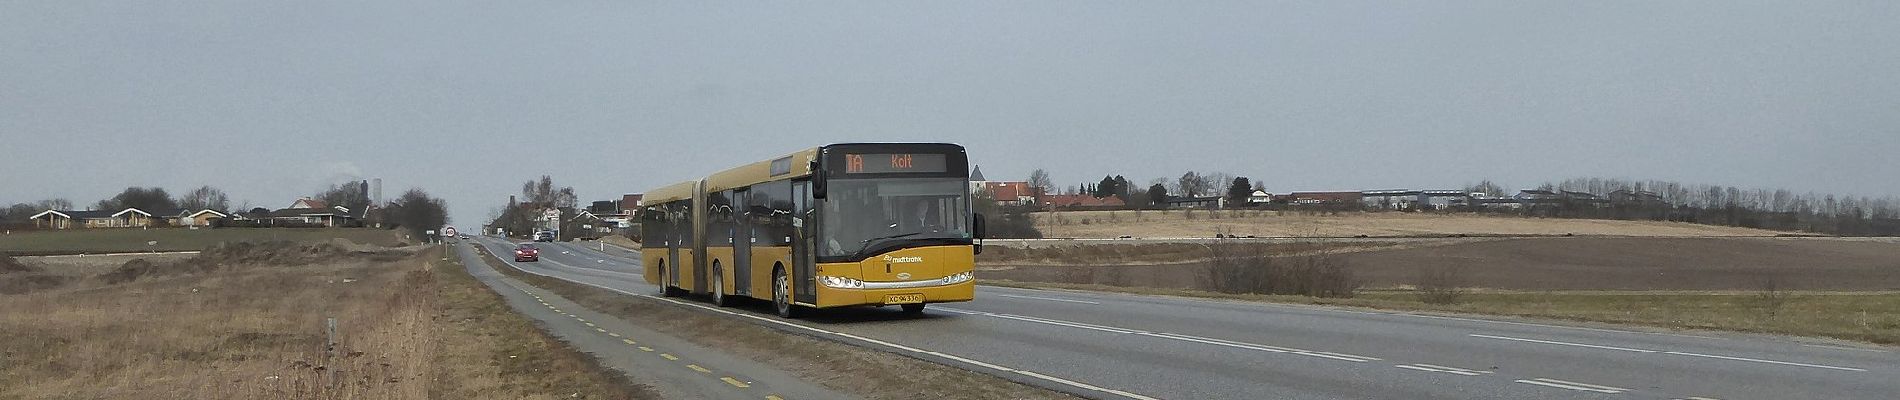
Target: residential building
205 217
1018 193
1078 201
1205 202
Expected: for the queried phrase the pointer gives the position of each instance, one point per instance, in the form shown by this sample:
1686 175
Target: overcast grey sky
270 100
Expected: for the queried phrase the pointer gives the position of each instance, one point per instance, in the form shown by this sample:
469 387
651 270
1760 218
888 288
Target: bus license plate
903 299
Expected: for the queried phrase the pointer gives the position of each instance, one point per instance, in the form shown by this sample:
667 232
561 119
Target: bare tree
152 198
1039 181
1193 184
348 195
543 193
205 197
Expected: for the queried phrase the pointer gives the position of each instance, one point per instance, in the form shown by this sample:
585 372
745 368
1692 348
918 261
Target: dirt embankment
1579 263
1205 223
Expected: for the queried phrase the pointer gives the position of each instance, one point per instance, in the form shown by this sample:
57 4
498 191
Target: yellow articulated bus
839 225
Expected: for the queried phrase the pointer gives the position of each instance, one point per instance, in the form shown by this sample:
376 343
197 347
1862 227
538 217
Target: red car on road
527 252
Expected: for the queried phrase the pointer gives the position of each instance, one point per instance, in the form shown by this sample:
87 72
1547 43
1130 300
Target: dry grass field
1560 263
1868 317
247 321
1204 223
1826 287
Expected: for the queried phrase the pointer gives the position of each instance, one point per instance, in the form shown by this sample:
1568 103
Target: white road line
1553 326
1217 342
1047 298
1335 356
1765 361
849 336
1174 336
1679 353
1573 385
1085 386
1564 343
1443 369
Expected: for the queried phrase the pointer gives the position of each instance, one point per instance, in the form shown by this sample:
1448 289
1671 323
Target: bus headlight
956 279
841 282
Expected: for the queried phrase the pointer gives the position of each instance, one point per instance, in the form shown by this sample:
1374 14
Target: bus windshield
864 214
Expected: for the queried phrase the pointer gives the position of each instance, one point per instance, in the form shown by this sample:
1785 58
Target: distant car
465 237
544 236
527 253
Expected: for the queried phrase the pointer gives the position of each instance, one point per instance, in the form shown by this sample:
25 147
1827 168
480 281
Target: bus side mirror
979 229
817 181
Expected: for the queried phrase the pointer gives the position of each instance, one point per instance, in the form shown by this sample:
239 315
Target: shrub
1443 284
1231 269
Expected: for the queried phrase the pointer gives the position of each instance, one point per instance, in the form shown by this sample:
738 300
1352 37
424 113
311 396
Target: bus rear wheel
782 294
666 282
719 287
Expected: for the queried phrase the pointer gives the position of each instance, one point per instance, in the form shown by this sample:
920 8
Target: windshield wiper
867 242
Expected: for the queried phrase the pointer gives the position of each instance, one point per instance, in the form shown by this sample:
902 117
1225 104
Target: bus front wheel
782 294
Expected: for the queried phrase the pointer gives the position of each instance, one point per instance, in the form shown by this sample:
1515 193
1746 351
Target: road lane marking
1764 361
734 382
588 323
696 367
771 397
1047 298
1593 346
613 334
669 357
1443 369
1084 385
600 330
797 326
1698 398
1679 353
1573 385
1335 356
629 341
1174 336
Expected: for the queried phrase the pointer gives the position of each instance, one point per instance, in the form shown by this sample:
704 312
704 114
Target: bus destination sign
894 163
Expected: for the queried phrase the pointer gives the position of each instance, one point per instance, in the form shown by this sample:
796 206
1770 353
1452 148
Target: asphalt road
1115 346
676 368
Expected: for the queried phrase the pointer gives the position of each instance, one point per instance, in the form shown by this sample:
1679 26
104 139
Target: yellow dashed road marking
644 348
771 397
629 341
698 368
613 334
669 357
580 319
735 382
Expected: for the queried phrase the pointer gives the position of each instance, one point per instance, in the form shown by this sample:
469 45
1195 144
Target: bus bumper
836 297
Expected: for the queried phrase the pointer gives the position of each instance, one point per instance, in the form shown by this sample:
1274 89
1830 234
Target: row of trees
536 194
1237 189
143 198
415 212
1777 209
